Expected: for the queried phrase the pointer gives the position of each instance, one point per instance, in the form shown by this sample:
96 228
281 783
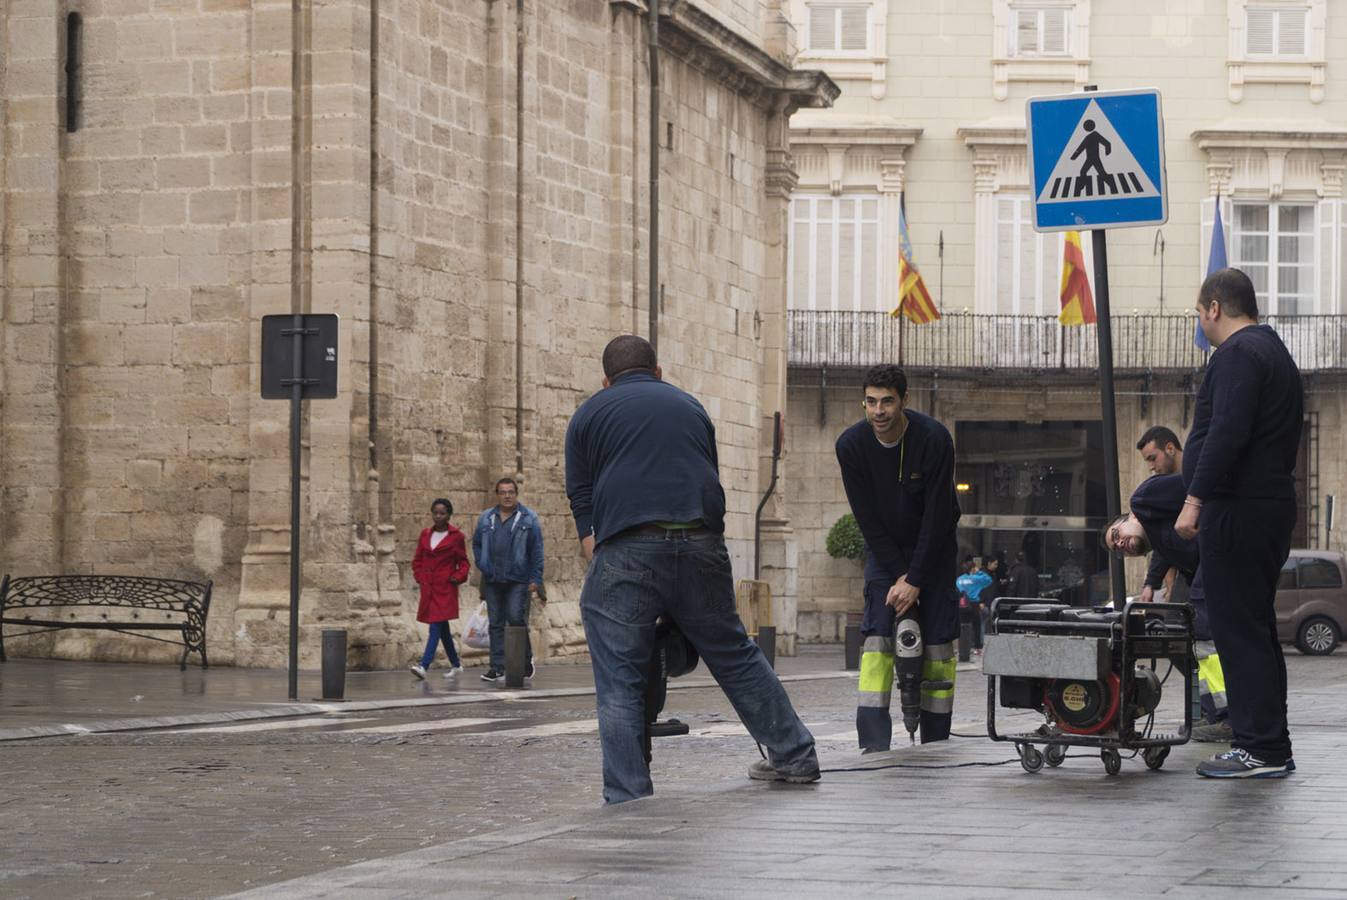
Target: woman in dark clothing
439 567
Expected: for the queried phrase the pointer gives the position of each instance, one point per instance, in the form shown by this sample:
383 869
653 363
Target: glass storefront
1036 490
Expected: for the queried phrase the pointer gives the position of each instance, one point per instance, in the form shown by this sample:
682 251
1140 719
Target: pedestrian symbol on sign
1096 163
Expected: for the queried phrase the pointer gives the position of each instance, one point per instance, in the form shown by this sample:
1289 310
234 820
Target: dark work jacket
640 451
907 518
1023 581
1246 423
1156 503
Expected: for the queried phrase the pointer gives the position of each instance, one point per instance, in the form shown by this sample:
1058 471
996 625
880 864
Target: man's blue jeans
632 581
507 603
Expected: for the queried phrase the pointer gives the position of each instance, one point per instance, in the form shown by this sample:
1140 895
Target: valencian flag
1216 260
1077 301
914 301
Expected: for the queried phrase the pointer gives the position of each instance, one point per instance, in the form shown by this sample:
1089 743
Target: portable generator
1078 667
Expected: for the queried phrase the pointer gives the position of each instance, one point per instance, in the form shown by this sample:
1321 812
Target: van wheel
1318 636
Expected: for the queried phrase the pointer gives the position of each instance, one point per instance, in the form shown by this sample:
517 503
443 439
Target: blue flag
1216 260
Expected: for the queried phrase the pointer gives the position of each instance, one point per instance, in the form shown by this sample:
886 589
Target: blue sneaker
1238 763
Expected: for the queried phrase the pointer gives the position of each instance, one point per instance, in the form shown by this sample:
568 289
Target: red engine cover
1112 690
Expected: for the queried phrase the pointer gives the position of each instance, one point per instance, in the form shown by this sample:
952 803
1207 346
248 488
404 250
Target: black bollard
767 643
965 642
334 663
516 654
853 648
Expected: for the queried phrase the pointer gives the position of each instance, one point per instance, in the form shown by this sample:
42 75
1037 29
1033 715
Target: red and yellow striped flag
1077 301
914 301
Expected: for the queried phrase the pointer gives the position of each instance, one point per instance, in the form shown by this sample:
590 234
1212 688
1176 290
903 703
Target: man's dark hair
440 501
510 481
1162 436
1233 289
626 352
886 377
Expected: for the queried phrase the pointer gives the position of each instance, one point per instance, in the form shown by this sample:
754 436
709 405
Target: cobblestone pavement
216 809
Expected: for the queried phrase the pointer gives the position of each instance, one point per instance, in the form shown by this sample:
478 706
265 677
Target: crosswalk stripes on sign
1096 162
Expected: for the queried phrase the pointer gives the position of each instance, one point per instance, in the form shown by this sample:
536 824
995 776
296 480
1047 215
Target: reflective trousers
939 619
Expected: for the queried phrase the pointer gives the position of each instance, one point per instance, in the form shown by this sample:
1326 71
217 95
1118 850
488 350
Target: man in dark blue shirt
1239 471
898 471
1155 506
644 486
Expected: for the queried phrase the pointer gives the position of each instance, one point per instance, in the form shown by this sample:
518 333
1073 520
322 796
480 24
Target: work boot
763 770
1213 732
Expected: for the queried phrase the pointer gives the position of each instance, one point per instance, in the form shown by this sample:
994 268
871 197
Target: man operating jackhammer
898 471
1155 506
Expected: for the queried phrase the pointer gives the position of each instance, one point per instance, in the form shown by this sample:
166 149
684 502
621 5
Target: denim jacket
525 565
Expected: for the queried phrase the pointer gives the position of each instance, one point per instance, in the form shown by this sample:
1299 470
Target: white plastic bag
476 634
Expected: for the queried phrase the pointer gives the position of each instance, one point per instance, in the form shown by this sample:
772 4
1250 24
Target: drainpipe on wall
653 35
519 240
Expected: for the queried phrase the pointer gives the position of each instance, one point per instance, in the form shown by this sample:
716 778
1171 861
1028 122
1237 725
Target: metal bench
114 602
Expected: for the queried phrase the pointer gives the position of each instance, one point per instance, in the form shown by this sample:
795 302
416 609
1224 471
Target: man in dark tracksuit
1239 471
1155 506
898 471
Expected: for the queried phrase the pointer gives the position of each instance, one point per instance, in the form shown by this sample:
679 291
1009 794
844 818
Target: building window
1041 31
1040 41
1276 32
835 263
1028 264
1277 42
1274 244
839 28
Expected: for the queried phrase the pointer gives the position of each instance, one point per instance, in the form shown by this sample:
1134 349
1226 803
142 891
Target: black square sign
319 372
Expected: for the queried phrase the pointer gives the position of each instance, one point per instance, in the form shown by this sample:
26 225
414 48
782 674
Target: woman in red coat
439 566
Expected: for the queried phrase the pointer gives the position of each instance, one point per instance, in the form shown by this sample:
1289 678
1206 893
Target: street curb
284 710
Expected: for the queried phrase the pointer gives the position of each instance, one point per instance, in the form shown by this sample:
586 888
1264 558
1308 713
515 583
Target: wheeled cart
1079 668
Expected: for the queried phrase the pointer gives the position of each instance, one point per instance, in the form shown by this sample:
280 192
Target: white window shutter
1291 32
1026 32
1055 23
823 28
855 28
1259 31
1328 289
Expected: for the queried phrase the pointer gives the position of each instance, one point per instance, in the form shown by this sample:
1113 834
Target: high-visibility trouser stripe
1210 675
876 683
939 665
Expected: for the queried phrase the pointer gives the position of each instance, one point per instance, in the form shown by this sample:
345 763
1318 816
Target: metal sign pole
1104 331
296 405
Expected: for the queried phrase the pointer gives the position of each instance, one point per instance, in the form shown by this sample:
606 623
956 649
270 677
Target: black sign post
1108 402
299 362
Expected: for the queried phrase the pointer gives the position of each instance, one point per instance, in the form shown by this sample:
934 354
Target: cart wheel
1031 759
1112 761
1055 754
1155 757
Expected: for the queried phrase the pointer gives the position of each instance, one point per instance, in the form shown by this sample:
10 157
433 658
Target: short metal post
853 648
767 643
965 641
516 654
334 663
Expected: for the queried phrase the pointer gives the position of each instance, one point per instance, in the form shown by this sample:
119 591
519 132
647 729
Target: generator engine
1079 669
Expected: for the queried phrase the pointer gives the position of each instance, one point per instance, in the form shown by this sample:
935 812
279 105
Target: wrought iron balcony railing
969 341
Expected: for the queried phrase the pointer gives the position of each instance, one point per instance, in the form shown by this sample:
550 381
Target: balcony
1035 344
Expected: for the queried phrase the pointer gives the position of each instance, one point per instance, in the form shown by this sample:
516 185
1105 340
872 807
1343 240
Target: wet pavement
405 793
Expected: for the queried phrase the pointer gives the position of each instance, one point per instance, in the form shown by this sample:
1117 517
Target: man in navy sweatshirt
1239 472
898 471
644 483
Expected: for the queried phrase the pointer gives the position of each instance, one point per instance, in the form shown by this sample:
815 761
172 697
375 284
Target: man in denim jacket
508 547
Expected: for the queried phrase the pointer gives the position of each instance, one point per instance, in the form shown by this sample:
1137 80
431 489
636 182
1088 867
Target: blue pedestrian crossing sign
1097 160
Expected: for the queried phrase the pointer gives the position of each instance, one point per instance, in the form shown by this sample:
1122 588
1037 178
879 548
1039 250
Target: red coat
440 572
